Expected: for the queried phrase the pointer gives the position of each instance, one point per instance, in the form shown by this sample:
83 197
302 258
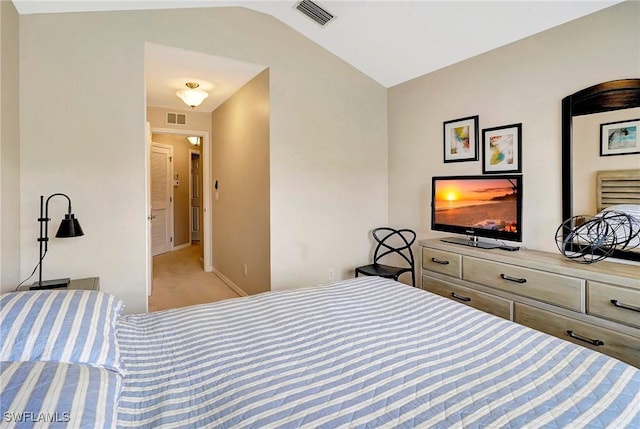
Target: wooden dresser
596 305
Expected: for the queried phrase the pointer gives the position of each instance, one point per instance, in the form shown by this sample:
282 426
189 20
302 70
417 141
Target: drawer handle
585 339
625 306
513 279
440 261
461 298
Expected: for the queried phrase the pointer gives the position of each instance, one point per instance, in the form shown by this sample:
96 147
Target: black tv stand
471 242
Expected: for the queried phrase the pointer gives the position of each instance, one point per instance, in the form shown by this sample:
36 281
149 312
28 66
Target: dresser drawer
614 303
482 301
621 346
442 262
556 289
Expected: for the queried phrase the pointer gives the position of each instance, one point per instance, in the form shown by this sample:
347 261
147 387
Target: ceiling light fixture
192 96
194 140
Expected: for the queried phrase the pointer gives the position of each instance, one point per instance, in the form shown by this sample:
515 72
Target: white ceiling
390 41
167 70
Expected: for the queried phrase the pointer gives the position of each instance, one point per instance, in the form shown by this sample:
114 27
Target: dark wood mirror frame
604 97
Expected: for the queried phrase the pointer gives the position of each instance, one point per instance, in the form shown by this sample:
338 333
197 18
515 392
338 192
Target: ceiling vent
315 12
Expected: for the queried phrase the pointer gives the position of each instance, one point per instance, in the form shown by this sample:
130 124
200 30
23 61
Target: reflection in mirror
587 160
582 115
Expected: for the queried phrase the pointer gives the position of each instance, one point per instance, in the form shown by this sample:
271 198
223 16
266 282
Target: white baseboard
229 283
182 246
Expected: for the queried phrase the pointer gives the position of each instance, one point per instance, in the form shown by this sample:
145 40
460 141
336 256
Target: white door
161 198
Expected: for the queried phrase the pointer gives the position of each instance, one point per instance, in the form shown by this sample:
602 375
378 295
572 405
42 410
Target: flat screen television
478 206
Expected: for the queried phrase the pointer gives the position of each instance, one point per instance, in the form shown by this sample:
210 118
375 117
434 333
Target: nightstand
89 283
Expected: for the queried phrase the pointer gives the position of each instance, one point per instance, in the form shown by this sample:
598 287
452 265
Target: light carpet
179 281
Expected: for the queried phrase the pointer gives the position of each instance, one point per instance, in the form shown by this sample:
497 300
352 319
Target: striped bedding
75 326
59 359
57 395
365 352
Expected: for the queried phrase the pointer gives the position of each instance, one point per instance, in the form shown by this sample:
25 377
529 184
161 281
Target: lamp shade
192 96
69 227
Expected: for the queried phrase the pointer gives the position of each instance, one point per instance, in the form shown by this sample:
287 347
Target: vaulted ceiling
390 41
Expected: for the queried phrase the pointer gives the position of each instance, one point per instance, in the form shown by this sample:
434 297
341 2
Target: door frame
205 161
191 153
147 191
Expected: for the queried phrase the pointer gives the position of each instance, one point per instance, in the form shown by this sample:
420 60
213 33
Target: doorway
203 219
195 197
179 278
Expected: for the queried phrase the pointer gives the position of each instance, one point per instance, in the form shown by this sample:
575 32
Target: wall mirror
583 113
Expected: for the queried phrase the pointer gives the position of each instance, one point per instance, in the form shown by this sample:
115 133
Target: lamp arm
54 195
43 221
46 218
44 228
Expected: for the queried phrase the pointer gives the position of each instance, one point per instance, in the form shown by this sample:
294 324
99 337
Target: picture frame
461 139
620 138
502 149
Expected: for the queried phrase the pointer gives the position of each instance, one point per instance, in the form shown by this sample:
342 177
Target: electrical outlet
245 270
332 274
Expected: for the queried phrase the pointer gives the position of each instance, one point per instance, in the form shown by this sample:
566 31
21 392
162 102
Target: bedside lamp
69 227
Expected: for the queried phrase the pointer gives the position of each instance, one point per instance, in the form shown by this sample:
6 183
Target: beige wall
240 164
181 200
523 82
10 151
83 132
333 176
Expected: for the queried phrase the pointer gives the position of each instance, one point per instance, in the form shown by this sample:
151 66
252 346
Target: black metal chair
391 241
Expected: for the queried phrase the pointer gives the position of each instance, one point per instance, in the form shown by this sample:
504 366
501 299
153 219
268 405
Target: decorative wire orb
626 228
586 239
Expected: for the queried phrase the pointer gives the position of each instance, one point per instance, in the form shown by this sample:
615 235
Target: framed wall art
461 139
502 149
619 138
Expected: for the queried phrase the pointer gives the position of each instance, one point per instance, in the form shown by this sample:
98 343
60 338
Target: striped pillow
59 394
75 326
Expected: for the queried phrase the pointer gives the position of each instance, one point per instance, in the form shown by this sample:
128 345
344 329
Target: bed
615 187
618 191
364 352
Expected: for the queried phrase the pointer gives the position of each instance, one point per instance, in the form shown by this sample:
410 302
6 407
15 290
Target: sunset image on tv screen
479 203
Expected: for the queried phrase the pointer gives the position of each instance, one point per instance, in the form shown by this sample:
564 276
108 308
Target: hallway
179 281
